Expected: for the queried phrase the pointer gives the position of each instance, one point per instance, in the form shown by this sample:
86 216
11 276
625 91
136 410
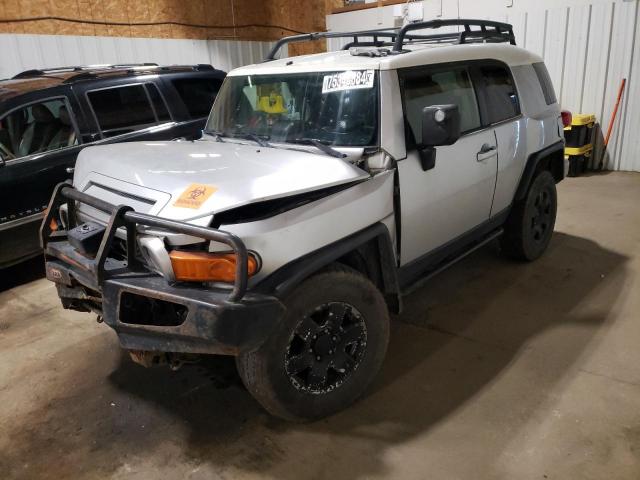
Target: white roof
419 55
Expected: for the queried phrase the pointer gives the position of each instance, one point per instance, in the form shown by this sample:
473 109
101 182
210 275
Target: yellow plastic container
578 136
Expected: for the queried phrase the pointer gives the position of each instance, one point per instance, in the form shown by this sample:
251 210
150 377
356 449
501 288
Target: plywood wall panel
219 13
97 12
37 8
191 12
66 8
9 9
249 12
84 11
176 18
161 11
140 12
116 11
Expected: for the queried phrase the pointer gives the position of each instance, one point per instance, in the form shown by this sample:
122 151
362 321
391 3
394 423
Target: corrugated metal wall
589 46
22 52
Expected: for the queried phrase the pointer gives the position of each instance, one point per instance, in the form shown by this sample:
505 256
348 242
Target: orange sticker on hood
195 195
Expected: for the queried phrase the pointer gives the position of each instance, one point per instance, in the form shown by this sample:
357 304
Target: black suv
48 116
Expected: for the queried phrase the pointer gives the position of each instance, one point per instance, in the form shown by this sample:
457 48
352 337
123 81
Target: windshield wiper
319 145
216 134
252 136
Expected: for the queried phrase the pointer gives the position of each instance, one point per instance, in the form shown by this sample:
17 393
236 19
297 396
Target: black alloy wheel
541 215
326 347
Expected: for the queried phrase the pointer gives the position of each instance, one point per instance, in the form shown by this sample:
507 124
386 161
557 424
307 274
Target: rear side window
197 94
423 88
122 109
500 92
545 82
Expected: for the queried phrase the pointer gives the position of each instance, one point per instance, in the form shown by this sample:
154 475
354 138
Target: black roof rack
387 33
488 31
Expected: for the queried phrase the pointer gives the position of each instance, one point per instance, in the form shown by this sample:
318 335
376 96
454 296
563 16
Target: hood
188 180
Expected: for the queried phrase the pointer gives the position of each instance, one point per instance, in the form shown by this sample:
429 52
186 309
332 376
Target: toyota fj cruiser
324 188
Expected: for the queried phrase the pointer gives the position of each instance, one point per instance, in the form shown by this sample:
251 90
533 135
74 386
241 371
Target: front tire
326 351
530 225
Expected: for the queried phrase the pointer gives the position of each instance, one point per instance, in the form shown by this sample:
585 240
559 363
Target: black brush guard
94 269
219 321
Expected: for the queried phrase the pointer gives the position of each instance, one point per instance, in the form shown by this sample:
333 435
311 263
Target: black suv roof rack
37 72
88 72
488 31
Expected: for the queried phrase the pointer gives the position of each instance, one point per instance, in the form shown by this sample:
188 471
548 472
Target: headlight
208 267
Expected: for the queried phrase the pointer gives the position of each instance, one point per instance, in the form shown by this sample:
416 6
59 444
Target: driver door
440 205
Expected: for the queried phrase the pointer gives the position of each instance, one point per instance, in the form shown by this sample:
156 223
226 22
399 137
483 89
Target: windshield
335 108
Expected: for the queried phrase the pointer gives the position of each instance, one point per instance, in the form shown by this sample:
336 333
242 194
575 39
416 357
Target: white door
443 203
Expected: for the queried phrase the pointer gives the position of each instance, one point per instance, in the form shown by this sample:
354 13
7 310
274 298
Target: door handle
486 151
486 148
70 170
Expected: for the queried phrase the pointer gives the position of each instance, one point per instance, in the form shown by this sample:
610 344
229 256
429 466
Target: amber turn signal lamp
53 224
207 267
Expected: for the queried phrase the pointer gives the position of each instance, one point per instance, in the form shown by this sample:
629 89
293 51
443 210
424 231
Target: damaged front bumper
147 312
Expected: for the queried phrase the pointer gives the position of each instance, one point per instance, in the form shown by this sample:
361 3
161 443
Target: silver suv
323 189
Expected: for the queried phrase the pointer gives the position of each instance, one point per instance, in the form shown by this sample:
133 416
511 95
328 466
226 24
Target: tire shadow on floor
456 335
452 347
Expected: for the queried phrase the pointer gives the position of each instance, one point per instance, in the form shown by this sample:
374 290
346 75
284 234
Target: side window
122 109
197 94
158 103
36 128
545 82
500 91
425 88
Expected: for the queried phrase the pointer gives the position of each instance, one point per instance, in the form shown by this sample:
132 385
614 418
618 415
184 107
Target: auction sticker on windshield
195 195
347 80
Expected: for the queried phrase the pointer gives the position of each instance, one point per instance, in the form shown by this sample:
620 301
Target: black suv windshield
335 108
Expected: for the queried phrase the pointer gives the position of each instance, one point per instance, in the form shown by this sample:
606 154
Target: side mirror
440 126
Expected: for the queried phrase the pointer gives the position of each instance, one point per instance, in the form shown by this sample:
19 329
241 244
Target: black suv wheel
327 350
530 225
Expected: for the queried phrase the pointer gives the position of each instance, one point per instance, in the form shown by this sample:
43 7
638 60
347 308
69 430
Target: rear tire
529 227
326 351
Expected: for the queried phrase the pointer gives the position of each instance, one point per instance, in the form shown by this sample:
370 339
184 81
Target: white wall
22 52
588 46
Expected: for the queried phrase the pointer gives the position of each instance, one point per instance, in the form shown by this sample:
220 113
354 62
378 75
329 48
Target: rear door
441 204
500 104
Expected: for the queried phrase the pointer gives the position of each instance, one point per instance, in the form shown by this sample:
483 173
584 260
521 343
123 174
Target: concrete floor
496 370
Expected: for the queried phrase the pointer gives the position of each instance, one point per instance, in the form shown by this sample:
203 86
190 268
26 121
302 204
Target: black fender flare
286 278
534 162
